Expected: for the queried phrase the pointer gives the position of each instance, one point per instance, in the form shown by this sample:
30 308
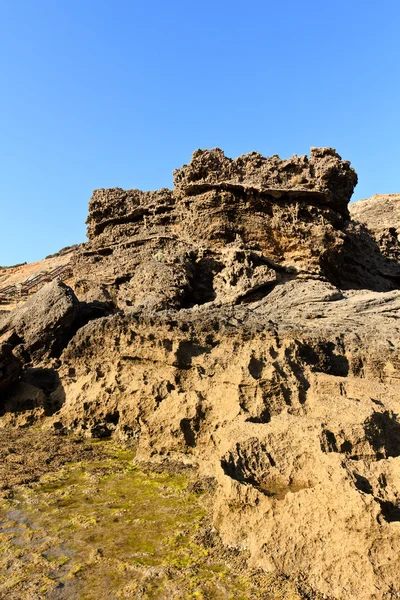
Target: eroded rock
381 215
39 329
324 176
290 403
257 338
290 214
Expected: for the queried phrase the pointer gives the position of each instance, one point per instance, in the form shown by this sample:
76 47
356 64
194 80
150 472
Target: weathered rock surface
274 219
290 404
329 179
39 329
257 337
381 215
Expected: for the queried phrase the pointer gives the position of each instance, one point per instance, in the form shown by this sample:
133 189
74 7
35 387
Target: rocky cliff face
252 331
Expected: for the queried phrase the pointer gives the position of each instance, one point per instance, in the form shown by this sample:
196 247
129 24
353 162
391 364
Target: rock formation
39 329
381 215
252 331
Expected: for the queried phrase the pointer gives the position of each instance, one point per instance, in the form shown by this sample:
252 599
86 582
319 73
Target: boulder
40 328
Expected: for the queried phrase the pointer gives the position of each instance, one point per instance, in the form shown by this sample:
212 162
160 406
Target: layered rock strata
252 331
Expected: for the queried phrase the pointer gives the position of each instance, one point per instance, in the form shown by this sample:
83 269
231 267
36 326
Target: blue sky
99 94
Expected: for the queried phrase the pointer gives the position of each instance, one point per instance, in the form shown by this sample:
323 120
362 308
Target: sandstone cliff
243 323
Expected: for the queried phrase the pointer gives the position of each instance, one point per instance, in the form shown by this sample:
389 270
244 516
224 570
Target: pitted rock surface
280 218
253 333
324 176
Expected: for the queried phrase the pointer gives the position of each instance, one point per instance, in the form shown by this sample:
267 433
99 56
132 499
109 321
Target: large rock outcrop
273 219
290 403
255 335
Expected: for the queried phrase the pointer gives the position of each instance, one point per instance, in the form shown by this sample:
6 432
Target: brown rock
290 213
290 403
40 327
381 215
257 338
323 176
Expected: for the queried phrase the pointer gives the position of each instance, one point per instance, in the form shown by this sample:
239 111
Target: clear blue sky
101 93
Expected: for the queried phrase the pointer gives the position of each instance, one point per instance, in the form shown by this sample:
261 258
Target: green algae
108 529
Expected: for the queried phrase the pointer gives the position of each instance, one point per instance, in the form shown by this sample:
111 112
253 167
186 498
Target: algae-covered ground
101 527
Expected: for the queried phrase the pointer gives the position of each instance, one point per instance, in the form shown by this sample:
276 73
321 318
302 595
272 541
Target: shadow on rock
360 263
38 394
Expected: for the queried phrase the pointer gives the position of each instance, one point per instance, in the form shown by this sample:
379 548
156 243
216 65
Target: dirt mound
252 332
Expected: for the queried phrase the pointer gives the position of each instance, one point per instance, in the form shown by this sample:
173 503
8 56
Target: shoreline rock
244 324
